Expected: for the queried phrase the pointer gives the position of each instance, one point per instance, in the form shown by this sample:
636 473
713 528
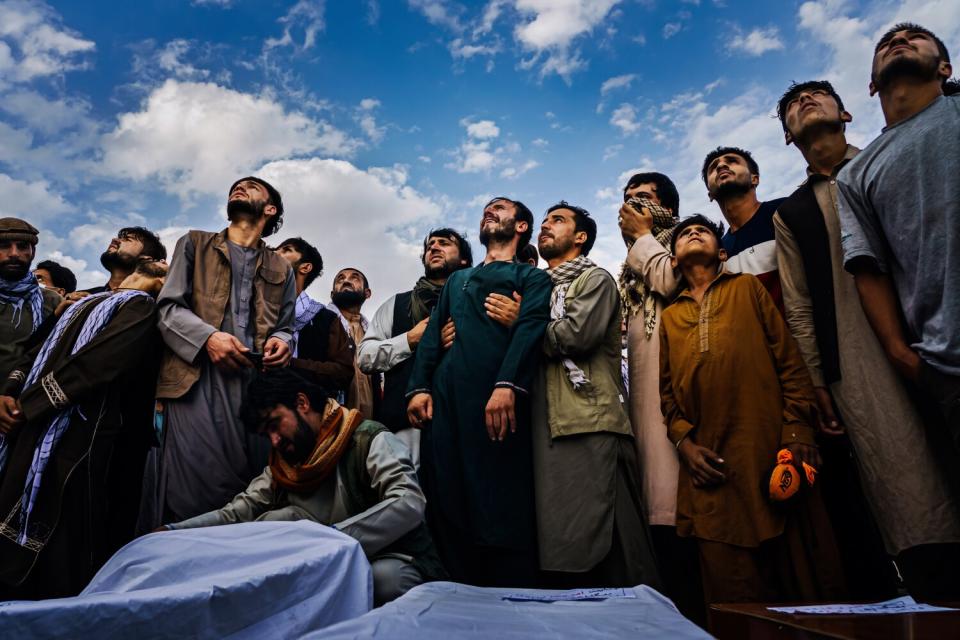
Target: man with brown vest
227 308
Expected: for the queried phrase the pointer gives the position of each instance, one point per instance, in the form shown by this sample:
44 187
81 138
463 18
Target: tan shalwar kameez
909 499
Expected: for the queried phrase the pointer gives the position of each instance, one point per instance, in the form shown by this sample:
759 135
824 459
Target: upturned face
729 172
46 281
348 280
696 240
911 51
811 109
441 256
646 190
289 253
558 233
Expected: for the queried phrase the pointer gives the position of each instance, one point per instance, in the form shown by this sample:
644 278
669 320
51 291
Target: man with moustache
75 419
732 176
591 524
398 325
227 308
322 350
121 255
24 304
471 402
900 215
350 290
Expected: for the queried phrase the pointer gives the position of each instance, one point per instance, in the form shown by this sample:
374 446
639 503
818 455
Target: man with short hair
350 290
732 176
322 348
391 339
227 308
916 514
53 275
471 403
121 255
24 304
591 525
735 392
75 419
330 465
900 215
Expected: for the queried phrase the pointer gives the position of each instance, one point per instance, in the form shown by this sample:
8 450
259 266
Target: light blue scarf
15 293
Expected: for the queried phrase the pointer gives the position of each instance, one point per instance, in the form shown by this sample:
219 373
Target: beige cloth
360 395
909 499
657 456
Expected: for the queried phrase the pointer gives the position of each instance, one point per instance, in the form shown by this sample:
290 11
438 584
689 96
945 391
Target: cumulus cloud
482 129
34 43
368 123
757 42
549 29
617 82
47 116
438 12
198 137
624 118
29 200
305 16
372 220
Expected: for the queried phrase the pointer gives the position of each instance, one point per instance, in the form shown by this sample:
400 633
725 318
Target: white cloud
86 277
617 82
170 59
514 172
624 118
540 143
198 137
305 15
671 29
482 129
461 50
33 43
612 151
368 123
43 115
373 11
372 220
29 200
438 12
550 29
757 42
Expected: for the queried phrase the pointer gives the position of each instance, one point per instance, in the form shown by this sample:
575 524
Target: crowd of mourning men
788 427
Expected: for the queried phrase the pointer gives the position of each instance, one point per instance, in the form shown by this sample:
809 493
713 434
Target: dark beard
304 441
442 272
904 67
501 235
244 210
115 260
731 189
14 270
557 249
347 298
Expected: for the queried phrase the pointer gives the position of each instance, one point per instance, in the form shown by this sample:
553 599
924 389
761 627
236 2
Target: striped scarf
635 297
95 322
15 293
562 276
305 310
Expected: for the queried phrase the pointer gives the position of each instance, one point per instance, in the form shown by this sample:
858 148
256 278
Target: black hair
582 222
276 221
722 151
716 228
366 284
910 27
796 89
951 87
279 387
60 276
466 253
528 254
309 255
523 214
666 190
152 246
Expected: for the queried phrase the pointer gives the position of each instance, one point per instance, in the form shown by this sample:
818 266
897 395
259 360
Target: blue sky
381 119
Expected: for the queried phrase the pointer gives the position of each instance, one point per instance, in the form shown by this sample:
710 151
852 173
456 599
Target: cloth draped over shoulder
562 276
635 296
423 299
335 434
16 294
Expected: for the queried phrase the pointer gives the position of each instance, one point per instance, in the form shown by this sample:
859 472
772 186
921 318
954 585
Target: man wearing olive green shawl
331 466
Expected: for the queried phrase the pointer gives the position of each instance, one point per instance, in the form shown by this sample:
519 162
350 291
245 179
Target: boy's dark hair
151 242
523 214
666 190
796 89
273 224
466 253
62 277
309 255
913 28
528 254
582 222
279 387
716 228
722 151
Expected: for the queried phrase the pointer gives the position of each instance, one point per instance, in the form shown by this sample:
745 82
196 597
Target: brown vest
210 296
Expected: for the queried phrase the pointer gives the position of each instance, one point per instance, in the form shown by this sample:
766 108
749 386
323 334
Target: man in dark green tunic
470 397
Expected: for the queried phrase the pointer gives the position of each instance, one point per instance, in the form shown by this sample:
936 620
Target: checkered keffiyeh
634 295
562 275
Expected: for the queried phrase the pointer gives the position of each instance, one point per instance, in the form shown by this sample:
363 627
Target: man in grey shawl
227 308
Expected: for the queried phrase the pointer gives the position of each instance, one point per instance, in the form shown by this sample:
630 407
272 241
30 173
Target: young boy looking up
734 391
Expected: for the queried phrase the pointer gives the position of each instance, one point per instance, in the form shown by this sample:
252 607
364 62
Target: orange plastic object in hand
785 479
